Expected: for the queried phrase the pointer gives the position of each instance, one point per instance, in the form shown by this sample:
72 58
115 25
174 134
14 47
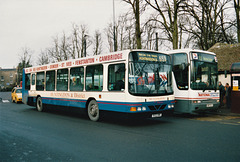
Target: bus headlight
197 101
138 108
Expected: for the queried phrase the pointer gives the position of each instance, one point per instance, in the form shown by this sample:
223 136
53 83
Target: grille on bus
157 107
163 106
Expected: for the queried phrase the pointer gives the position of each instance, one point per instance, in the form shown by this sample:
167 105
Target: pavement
224 111
5 96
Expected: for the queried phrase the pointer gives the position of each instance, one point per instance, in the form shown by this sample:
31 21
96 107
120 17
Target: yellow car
16 95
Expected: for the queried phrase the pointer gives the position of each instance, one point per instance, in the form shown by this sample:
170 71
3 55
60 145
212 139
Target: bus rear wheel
93 110
39 104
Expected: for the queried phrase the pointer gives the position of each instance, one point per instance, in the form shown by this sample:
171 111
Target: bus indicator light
133 109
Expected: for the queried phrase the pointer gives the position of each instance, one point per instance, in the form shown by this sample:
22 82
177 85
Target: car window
19 91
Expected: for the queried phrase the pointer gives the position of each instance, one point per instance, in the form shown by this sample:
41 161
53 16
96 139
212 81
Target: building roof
226 55
12 69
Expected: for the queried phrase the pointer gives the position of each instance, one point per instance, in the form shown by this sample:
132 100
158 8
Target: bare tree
149 36
43 58
125 31
109 34
64 47
207 23
237 11
83 34
25 57
135 4
125 35
77 39
24 61
97 43
167 16
55 51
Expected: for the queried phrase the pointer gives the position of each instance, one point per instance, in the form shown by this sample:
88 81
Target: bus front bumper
204 106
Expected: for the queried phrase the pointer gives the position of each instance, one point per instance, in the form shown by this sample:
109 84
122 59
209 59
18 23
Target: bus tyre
39 104
93 110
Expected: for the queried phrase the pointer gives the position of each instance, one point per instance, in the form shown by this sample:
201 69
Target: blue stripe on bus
125 106
104 105
64 102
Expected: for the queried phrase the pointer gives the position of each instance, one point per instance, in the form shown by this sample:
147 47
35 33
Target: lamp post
85 45
156 41
114 29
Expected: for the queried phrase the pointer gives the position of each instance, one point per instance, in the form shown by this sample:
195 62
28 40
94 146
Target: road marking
230 123
216 118
230 120
5 101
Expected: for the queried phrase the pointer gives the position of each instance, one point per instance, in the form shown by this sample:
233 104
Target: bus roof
103 58
187 51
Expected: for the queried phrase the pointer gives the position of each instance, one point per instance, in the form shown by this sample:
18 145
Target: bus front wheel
93 110
39 104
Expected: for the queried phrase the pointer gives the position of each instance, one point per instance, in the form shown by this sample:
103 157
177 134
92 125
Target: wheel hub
94 110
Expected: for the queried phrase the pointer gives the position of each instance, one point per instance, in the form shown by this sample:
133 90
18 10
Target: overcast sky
34 23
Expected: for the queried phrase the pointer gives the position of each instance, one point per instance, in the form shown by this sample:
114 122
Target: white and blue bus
195 78
131 82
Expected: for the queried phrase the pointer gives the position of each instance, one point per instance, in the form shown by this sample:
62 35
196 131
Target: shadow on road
106 117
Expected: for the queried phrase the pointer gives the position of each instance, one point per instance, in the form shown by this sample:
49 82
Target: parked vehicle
195 78
16 95
137 82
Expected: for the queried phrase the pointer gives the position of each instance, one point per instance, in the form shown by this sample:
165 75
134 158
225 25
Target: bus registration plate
156 115
209 105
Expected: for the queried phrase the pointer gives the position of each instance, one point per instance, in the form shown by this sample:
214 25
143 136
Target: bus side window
27 81
76 79
33 79
62 80
180 70
116 77
40 81
94 78
50 80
